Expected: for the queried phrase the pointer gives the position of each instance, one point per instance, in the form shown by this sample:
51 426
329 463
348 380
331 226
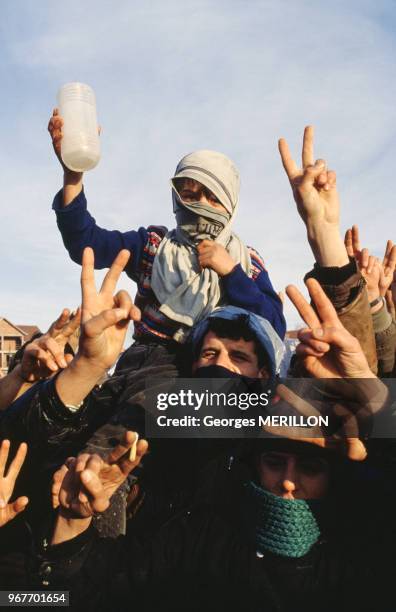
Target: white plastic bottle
80 147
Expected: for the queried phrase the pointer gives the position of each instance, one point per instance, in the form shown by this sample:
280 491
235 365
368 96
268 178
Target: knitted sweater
79 230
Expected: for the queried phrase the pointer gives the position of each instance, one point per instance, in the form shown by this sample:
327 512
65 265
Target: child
181 275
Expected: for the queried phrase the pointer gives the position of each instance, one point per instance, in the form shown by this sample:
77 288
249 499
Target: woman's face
293 476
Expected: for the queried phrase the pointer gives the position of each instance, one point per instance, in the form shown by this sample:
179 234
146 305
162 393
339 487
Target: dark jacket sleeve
39 418
92 567
385 340
79 230
179 544
256 296
346 289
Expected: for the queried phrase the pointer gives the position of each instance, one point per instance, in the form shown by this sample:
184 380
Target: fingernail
132 452
2 503
318 333
87 476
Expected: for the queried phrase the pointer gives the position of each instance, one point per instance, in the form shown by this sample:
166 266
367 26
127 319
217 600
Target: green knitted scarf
285 527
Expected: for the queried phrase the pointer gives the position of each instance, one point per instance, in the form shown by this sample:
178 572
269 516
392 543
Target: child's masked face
198 212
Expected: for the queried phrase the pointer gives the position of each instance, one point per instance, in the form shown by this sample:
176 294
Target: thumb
92 483
95 326
135 314
57 325
339 337
348 242
355 449
311 173
17 507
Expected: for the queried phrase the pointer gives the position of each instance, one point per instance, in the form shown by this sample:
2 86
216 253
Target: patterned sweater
79 230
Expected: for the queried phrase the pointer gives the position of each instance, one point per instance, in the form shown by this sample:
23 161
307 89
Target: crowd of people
286 519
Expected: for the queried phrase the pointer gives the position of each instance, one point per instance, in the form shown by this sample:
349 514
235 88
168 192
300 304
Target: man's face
192 191
238 356
293 476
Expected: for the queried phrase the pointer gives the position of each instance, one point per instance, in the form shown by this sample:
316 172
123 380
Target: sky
173 76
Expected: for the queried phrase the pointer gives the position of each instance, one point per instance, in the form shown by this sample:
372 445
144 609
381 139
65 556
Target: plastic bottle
80 147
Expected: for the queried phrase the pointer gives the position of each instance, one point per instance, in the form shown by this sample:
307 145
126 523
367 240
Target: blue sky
174 76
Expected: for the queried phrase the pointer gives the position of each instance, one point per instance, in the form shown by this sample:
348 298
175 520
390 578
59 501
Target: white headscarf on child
186 293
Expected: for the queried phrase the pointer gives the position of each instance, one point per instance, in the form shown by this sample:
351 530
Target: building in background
12 337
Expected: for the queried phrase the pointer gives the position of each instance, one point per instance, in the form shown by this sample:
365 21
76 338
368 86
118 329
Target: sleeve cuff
333 275
341 285
79 201
55 408
70 547
381 320
237 277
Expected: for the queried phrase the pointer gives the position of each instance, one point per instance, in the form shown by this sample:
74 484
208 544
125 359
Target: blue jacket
79 230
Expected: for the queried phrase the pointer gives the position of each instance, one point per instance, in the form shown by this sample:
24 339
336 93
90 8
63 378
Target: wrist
373 295
71 178
316 228
17 374
327 244
68 527
225 271
76 381
87 366
376 304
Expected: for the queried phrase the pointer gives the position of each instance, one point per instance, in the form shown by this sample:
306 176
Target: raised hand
104 322
327 348
370 269
65 327
352 242
315 193
46 355
387 268
8 511
88 482
390 298
378 275
55 125
314 187
105 317
72 181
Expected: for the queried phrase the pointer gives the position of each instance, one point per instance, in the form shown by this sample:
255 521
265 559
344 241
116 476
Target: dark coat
205 559
52 433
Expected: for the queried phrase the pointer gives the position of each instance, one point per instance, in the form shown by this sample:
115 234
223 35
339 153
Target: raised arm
379 277
9 510
56 412
329 350
72 181
79 228
85 485
40 358
105 318
315 193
